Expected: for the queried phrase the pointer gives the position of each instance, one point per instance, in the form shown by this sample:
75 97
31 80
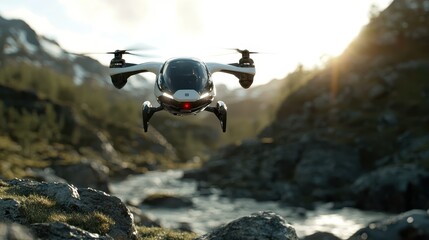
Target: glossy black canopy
183 73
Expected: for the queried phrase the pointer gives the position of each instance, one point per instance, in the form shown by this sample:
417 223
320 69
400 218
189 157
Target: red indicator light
187 106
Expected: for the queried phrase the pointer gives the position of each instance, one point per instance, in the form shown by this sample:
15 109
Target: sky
285 32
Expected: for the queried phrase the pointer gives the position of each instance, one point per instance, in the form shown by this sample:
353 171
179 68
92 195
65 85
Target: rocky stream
211 209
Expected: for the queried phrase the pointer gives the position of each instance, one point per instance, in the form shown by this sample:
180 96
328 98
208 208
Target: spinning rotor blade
84 53
130 53
241 51
244 50
140 54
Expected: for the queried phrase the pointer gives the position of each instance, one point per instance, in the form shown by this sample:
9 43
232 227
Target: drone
183 86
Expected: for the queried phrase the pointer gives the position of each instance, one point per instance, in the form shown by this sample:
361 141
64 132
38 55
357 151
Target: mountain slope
20 43
375 90
355 132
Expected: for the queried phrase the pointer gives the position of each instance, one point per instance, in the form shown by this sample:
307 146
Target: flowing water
212 210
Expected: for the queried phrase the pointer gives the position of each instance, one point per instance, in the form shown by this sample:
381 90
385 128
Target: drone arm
245 74
120 75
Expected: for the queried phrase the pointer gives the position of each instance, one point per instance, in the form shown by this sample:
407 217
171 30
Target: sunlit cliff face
390 35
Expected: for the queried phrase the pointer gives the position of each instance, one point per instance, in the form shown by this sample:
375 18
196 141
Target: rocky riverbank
39 210
302 174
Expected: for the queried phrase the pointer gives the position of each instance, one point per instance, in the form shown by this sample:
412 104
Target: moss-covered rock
30 202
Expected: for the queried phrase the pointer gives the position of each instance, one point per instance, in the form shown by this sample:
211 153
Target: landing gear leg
221 113
147 113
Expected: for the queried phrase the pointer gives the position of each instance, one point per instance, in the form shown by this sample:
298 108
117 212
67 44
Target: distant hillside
65 124
20 43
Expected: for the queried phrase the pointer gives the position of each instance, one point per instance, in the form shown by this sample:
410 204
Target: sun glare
293 32
297 32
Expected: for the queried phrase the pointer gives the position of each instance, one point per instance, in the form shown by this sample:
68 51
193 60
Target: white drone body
183 85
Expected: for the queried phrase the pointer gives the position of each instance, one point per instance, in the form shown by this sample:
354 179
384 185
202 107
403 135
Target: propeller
244 51
241 51
119 53
129 51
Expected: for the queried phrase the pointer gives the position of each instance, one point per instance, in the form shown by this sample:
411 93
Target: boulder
411 225
321 236
63 231
393 189
64 194
14 231
167 201
257 226
72 199
94 200
184 227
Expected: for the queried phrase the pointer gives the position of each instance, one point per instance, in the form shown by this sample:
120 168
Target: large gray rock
411 225
72 199
94 200
64 194
393 188
63 231
14 231
257 226
321 236
167 201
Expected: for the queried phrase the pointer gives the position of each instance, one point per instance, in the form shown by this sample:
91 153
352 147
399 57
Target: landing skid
147 113
221 113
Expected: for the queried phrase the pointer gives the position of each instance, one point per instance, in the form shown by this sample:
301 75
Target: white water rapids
210 211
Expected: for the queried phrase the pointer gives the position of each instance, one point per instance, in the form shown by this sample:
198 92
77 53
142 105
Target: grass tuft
155 233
